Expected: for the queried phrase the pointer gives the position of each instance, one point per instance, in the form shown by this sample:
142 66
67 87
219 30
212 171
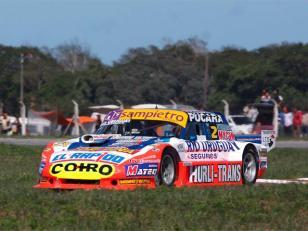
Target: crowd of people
292 121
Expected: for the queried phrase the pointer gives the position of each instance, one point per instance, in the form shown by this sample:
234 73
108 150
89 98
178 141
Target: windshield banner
172 116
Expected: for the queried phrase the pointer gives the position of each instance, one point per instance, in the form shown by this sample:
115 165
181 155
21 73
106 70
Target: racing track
279 181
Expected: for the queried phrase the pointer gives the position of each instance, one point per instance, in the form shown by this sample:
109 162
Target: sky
110 27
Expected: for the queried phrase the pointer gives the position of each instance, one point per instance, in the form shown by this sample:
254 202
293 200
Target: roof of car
180 117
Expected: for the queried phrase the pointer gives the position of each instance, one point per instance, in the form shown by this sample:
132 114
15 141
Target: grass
291 138
287 164
262 207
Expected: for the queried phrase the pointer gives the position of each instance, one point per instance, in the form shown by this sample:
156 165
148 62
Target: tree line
53 77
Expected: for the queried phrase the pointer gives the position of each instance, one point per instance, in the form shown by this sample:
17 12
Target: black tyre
168 168
249 167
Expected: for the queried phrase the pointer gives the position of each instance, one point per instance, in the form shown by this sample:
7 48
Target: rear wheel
168 169
249 167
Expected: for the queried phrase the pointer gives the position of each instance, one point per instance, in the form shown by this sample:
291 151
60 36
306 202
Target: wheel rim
250 167
168 172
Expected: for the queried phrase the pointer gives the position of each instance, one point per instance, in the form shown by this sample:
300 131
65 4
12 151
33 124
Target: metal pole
174 105
21 78
275 118
206 81
22 105
121 103
226 108
1 108
76 119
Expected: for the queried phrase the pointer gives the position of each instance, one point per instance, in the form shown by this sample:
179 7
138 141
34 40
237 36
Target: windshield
142 128
239 120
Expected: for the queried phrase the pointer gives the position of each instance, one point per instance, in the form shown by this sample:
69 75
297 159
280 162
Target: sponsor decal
120 149
202 156
135 138
107 149
268 139
226 135
141 161
41 167
205 117
75 156
81 170
125 143
145 169
177 117
89 149
115 122
181 148
113 115
134 181
209 174
211 146
112 158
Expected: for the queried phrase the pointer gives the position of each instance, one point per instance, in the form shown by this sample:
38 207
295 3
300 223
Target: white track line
279 181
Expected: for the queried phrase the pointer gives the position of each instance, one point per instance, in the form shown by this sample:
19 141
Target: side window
190 131
112 129
194 129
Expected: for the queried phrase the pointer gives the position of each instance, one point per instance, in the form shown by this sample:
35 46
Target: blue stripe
249 138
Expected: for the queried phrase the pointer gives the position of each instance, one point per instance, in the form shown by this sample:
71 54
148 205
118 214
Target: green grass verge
262 207
287 164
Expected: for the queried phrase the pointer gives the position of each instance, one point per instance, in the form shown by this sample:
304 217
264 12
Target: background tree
53 77
72 56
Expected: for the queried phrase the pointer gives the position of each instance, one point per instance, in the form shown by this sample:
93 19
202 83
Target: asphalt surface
292 144
27 141
44 141
283 181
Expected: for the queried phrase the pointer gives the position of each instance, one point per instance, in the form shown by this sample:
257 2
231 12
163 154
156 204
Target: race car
156 147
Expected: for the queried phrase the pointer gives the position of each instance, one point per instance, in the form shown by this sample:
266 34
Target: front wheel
249 168
168 169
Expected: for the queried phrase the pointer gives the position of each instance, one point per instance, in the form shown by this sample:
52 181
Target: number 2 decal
213 129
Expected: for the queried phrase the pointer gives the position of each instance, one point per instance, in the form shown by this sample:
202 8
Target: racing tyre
168 169
249 167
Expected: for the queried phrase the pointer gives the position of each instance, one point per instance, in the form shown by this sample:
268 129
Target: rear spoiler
266 138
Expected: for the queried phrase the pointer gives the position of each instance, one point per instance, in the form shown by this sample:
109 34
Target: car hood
132 144
112 149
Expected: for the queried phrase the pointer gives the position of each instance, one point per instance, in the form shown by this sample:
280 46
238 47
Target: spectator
265 97
281 122
297 122
257 128
288 121
98 122
245 110
252 113
305 124
277 97
6 124
16 127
